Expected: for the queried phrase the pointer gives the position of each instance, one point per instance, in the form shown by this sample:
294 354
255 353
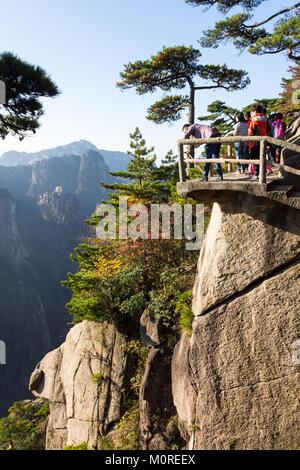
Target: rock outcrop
235 383
83 381
290 158
158 423
184 395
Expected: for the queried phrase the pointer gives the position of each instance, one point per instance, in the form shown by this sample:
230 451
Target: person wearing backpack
259 125
201 131
279 131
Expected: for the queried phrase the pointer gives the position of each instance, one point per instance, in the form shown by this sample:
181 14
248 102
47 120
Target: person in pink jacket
201 131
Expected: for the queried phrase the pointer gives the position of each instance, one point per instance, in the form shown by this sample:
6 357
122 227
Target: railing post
229 167
181 163
263 163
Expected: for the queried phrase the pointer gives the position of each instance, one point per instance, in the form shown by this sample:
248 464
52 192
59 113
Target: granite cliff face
83 380
235 385
289 158
26 336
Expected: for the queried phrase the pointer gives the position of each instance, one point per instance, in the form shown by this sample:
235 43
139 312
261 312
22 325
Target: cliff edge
234 383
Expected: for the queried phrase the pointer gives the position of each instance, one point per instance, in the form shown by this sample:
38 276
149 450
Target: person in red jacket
259 125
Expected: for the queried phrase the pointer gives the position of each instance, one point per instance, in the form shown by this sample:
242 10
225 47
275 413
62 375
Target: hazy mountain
114 160
42 211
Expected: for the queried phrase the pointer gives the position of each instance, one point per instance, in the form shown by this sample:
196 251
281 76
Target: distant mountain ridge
115 160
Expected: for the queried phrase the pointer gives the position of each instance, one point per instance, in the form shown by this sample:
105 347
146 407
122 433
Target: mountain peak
115 160
14 158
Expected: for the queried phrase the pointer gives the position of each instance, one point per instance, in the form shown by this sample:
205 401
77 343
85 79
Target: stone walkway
275 188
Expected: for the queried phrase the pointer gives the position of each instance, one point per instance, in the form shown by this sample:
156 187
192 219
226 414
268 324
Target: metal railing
262 162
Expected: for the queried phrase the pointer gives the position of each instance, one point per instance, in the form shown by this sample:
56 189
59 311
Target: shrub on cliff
24 427
118 279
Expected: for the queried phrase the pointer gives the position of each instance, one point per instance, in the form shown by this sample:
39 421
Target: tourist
201 131
279 131
258 126
247 117
241 129
271 148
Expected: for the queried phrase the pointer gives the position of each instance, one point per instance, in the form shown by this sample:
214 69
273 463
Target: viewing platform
271 186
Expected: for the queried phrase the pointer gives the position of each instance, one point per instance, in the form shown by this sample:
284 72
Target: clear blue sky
83 45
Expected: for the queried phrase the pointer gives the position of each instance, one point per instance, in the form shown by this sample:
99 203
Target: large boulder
248 238
184 395
239 360
83 381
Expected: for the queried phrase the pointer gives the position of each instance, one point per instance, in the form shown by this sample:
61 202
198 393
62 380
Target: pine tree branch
290 52
158 81
208 87
168 79
183 105
286 10
282 49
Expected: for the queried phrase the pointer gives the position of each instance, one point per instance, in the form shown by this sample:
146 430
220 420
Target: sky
84 44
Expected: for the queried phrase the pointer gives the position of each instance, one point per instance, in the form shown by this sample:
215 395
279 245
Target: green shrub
183 307
126 435
97 378
82 446
24 427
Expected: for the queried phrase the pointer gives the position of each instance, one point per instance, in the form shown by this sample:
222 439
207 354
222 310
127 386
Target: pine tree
25 84
272 105
284 36
176 68
118 279
221 116
146 182
290 96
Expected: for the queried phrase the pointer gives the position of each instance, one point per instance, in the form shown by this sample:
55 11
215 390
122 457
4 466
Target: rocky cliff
234 382
83 381
24 327
290 159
